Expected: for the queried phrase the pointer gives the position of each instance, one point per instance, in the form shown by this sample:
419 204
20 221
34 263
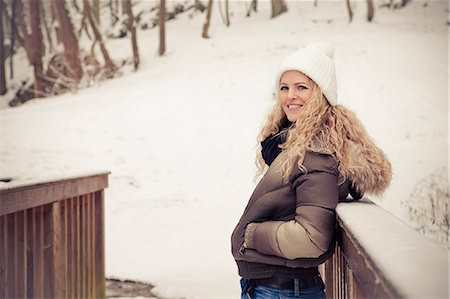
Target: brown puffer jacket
271 218
288 225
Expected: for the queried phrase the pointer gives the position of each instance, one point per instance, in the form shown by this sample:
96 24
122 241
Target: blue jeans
262 292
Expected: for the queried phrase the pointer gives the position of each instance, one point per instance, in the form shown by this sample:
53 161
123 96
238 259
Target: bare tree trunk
108 62
208 20
68 38
12 38
14 23
57 26
123 8
37 47
225 16
132 29
162 27
349 10
2 52
83 25
278 7
75 4
113 11
253 5
370 10
227 13
47 30
22 29
97 11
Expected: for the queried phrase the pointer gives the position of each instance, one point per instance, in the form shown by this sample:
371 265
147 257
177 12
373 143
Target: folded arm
311 233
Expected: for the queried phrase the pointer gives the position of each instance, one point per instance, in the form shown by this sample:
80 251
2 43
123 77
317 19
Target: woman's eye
283 88
300 87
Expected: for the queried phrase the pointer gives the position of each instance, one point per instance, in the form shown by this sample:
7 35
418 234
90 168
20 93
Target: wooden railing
379 256
52 238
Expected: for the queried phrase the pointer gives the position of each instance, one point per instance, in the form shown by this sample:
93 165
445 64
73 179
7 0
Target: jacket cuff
262 237
250 235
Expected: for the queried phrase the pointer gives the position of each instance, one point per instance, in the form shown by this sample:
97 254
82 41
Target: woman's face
295 90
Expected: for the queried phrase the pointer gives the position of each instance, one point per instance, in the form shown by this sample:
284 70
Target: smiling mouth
292 106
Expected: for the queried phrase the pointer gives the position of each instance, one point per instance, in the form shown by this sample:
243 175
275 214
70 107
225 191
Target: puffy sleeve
310 234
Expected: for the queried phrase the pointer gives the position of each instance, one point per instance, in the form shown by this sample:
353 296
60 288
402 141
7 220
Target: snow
179 135
399 255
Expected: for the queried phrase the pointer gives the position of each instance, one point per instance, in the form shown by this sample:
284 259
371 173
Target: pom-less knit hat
316 62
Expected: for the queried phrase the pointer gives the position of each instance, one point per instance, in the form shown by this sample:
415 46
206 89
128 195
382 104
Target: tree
75 4
56 25
47 30
349 10
162 27
36 47
114 11
97 11
69 40
2 53
227 13
110 67
208 20
254 6
370 10
278 7
132 29
226 17
12 38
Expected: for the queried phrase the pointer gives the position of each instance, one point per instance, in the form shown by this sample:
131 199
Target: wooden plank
332 277
49 274
38 253
64 248
11 260
71 233
54 267
41 256
13 199
94 242
78 247
99 245
83 246
29 252
336 273
346 278
343 277
340 278
328 277
3 256
16 254
89 245
21 253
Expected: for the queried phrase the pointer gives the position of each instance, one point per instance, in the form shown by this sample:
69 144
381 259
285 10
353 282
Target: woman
314 153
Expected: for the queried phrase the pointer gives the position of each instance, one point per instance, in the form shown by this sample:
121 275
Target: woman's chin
292 118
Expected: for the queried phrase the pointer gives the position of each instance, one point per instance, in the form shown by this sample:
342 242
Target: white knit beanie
316 62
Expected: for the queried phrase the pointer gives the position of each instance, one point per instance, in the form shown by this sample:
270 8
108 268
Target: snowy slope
179 135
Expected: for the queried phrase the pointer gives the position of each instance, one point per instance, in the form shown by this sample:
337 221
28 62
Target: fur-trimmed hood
370 171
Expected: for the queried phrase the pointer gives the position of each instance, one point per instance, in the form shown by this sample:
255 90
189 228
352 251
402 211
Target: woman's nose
292 94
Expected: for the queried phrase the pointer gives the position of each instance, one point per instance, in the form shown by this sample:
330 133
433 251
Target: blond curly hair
334 130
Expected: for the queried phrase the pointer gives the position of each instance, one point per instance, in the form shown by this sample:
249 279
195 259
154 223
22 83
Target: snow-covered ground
179 135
